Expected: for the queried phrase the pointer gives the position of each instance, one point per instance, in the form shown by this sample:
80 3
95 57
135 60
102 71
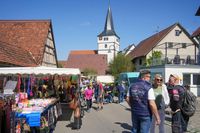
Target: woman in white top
161 99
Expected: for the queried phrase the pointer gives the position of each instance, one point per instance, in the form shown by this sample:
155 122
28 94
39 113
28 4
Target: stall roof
105 79
39 70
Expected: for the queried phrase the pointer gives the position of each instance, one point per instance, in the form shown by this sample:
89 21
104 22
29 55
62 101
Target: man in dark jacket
142 102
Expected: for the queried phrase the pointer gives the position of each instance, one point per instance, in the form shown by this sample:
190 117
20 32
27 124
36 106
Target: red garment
101 86
19 83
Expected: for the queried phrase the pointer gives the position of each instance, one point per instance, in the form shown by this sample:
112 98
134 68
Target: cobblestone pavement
194 122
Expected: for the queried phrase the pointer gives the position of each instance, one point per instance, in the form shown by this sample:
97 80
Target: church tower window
105 38
106 46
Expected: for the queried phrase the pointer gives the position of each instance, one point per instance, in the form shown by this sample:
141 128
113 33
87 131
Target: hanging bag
73 104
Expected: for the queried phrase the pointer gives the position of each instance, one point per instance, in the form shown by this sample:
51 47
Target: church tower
108 40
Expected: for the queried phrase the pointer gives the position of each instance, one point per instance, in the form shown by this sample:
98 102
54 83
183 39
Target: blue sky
76 23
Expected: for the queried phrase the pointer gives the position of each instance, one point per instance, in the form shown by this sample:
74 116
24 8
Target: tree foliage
60 65
121 63
156 55
89 71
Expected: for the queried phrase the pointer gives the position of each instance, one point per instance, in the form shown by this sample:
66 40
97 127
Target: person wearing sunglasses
142 102
161 100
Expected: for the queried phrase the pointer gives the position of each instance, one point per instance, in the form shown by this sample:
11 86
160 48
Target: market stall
34 94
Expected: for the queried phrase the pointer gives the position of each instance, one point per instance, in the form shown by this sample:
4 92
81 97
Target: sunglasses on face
159 80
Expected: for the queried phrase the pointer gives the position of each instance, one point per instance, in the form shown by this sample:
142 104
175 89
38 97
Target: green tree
89 71
60 65
121 63
156 55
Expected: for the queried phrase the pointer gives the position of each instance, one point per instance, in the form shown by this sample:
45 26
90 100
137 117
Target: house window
177 32
105 39
183 45
140 61
170 45
100 38
196 79
106 45
186 79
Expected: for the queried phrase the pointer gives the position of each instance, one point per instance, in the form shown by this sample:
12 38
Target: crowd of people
148 101
101 93
148 98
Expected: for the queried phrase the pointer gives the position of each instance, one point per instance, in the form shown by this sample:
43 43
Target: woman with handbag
75 106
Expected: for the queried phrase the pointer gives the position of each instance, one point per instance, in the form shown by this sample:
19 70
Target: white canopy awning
39 70
105 78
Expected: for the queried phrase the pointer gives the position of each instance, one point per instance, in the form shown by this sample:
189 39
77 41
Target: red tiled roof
91 61
196 32
77 52
30 35
15 55
146 45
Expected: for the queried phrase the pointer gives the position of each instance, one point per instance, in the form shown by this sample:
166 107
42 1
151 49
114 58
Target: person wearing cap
161 99
142 102
176 94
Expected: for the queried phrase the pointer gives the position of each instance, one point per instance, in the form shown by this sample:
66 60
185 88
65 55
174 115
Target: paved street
114 118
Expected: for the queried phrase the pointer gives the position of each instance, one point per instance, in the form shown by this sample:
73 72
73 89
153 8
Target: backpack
189 103
159 101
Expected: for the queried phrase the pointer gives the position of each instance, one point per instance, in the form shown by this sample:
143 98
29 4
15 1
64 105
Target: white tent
105 78
39 70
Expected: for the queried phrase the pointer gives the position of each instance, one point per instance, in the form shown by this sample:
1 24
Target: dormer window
177 32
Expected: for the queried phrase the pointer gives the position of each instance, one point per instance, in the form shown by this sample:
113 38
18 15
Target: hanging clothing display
36 102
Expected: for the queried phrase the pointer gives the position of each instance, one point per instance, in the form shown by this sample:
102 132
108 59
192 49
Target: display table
38 108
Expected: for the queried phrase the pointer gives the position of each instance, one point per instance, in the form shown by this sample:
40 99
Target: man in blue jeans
142 102
120 89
